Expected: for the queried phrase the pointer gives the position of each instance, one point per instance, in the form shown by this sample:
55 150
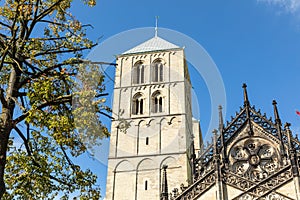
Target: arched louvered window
157 102
157 71
138 104
138 73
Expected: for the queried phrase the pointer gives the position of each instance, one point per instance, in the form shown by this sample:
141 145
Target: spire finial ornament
221 127
278 127
221 123
246 100
247 106
289 134
276 115
156 25
215 140
292 151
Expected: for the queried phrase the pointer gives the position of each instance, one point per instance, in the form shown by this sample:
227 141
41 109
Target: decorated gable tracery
253 154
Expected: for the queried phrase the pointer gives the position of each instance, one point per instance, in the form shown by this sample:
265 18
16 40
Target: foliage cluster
51 99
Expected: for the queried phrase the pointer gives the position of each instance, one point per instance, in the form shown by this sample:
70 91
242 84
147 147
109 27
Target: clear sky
253 41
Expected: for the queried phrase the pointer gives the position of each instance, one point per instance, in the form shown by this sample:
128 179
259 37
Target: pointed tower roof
154 44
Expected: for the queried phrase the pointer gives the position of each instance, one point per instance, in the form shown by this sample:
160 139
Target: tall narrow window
138 73
138 104
160 104
161 75
141 106
157 71
142 68
157 102
147 140
146 185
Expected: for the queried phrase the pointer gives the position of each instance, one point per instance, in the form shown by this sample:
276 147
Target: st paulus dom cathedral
156 145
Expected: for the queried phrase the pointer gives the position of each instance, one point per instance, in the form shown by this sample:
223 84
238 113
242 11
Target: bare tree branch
47 11
62 51
67 158
29 152
3 24
56 101
36 75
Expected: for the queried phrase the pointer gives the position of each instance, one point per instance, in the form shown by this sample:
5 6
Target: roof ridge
153 44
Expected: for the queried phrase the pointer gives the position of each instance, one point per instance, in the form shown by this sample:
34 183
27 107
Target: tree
42 71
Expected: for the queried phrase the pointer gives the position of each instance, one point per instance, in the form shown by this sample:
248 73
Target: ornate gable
252 157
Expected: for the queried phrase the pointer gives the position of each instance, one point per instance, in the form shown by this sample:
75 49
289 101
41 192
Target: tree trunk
6 125
4 136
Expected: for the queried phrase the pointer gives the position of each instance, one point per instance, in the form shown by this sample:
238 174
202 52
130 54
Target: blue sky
253 41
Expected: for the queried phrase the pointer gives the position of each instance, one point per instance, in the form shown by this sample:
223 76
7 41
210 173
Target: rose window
254 158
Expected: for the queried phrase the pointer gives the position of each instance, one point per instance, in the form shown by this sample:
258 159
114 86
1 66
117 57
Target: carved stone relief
254 158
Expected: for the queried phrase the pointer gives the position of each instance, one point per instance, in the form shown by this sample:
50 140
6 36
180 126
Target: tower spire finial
278 126
277 119
246 100
156 25
221 123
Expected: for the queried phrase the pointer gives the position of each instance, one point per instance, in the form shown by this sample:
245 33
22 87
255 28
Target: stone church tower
151 143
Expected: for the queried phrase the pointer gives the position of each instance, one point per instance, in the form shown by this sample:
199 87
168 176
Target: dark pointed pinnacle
287 126
288 131
246 100
221 123
164 192
221 129
215 135
276 115
215 132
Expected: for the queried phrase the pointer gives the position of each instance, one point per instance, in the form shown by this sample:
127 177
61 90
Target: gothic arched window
138 73
157 71
138 104
157 102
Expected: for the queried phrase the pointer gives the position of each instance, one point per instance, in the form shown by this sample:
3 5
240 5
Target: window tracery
254 158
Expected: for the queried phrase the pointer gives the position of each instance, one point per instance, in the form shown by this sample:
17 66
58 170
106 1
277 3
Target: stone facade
154 139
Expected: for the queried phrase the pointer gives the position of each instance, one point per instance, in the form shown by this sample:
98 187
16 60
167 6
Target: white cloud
291 6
